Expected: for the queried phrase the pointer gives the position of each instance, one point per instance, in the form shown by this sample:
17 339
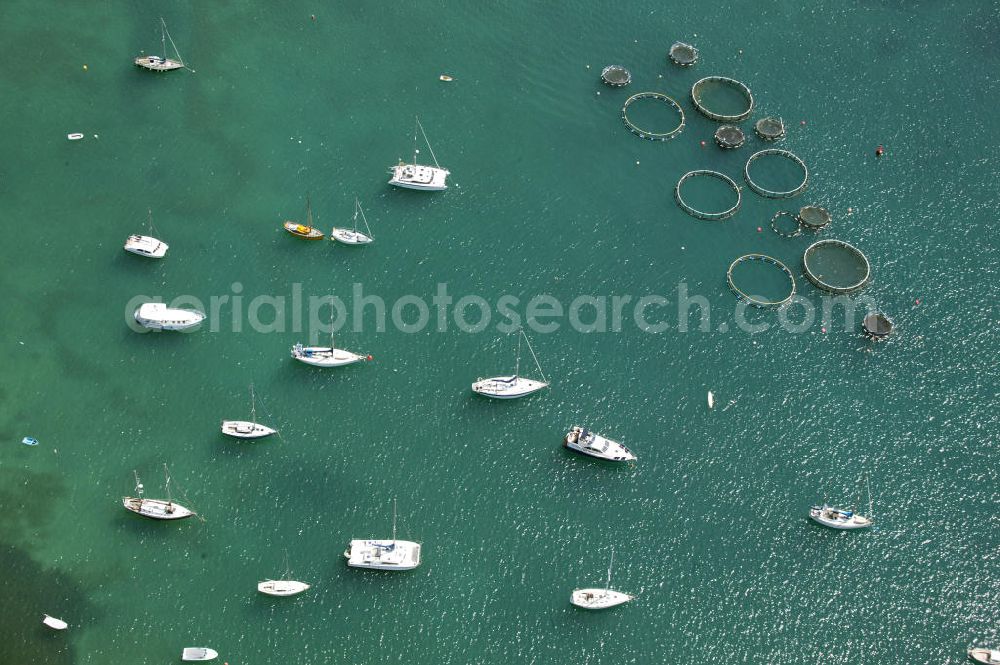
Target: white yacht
147 246
841 518
247 429
599 599
324 356
418 176
156 509
384 554
157 316
584 441
54 623
199 653
511 387
353 236
281 587
987 656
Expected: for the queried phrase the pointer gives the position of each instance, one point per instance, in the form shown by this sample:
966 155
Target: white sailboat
599 599
162 63
199 653
247 429
156 509
841 518
157 316
54 623
384 554
418 176
147 246
282 587
511 387
353 236
586 442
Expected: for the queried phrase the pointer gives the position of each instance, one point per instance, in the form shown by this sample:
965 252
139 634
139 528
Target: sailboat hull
155 63
282 587
835 518
507 387
349 237
324 356
598 599
156 509
244 429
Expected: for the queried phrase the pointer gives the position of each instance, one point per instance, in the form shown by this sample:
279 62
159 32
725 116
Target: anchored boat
54 623
353 236
156 509
306 231
282 587
162 63
841 518
247 429
199 653
600 599
147 246
511 387
384 554
157 316
987 656
584 441
419 176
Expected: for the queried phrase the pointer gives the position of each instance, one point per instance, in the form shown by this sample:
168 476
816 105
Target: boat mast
517 364
868 481
357 204
393 520
176 52
253 406
433 156
138 488
416 150
309 212
163 37
609 567
537 364
170 499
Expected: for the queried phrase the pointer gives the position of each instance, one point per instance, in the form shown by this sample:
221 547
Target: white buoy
711 400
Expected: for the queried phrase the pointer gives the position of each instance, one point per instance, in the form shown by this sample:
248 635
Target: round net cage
649 134
836 266
759 300
730 99
616 76
781 221
729 137
701 214
683 54
772 193
877 326
814 218
770 128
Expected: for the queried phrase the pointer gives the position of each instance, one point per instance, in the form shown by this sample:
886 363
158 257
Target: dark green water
550 194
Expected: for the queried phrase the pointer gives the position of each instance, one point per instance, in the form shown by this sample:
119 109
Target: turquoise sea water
549 195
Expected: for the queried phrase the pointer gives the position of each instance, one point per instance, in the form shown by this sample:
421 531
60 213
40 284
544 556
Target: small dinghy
988 656
247 429
584 441
54 623
353 236
199 653
711 400
446 78
74 137
29 441
305 231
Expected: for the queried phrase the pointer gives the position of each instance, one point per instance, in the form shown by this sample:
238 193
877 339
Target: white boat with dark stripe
325 356
514 386
157 316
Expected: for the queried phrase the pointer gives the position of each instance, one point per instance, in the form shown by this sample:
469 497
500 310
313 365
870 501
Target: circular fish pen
770 128
683 54
645 133
797 231
700 214
836 266
770 193
877 326
729 137
758 301
718 84
814 218
616 76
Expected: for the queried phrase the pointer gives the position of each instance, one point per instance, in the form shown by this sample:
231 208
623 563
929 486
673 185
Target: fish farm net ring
758 301
814 217
719 83
770 128
781 232
644 133
770 193
835 266
683 54
729 137
877 326
616 76
694 212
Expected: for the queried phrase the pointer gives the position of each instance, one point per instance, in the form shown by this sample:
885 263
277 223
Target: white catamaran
599 599
156 509
147 246
384 554
840 518
418 176
247 429
510 387
353 236
162 63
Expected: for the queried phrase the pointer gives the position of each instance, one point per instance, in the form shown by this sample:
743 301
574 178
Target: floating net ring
683 54
645 134
782 232
696 90
814 218
770 128
729 137
877 326
754 300
616 76
694 212
770 193
814 273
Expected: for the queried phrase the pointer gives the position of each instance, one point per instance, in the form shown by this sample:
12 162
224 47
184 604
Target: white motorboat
324 356
384 554
841 518
281 587
54 623
157 316
418 176
247 429
584 441
156 509
599 599
987 656
162 63
147 246
199 653
511 387
353 236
